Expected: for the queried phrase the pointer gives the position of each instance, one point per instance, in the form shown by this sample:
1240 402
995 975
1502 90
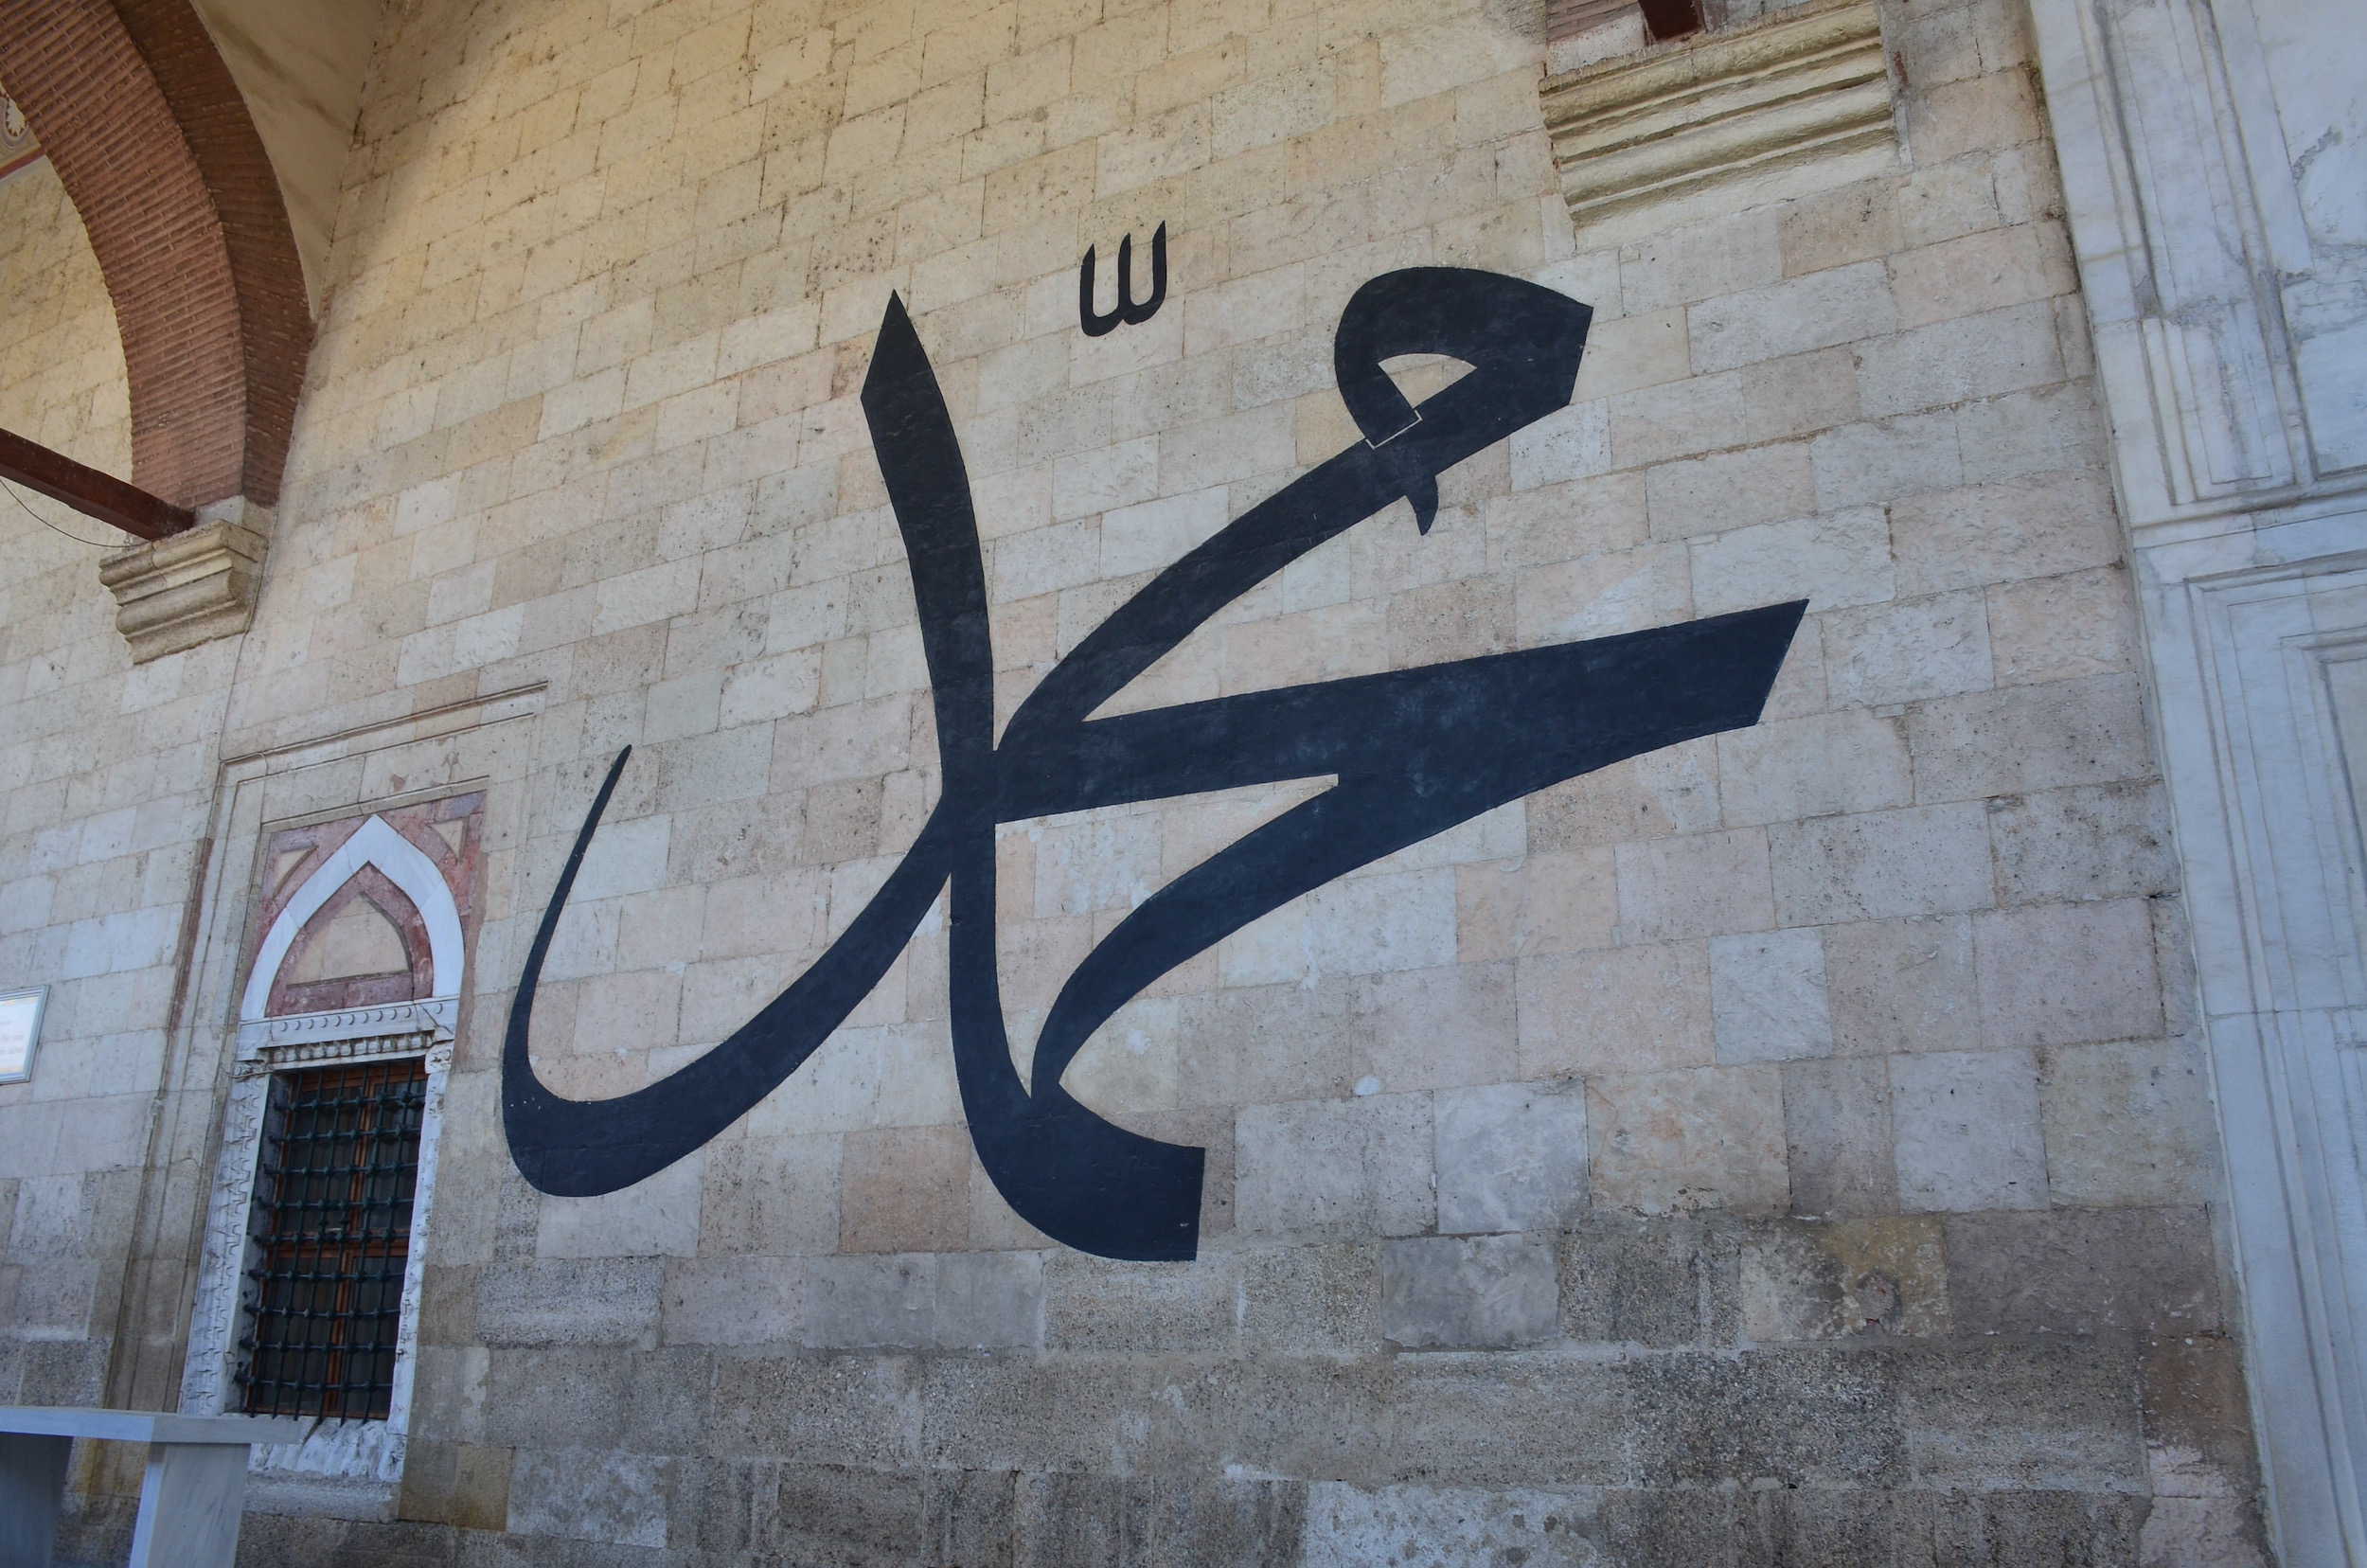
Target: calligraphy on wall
1413 752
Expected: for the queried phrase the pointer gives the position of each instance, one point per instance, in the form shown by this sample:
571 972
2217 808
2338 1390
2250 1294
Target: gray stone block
1648 1526
818 1513
570 1301
2064 974
988 1301
1354 1526
1902 985
1648 1281
1965 1133
972 1518
1323 1299
733 1300
2020 739
1157 1520
1805 1417
1922 860
862 1410
1316 1169
1001 1413
591 1494
2128 1123
533 1395
2198 1417
1850 1279
1511 1157
1515 1419
268 1540
2084 1270
1796 1527
1836 1136
1479 1292
2052 1413
924 1301
2098 841
1098 1304
2009 1528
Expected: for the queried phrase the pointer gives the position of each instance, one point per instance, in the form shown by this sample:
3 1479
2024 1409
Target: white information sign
20 1029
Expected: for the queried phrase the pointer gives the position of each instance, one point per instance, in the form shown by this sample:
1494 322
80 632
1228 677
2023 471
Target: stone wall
105 784
1788 1145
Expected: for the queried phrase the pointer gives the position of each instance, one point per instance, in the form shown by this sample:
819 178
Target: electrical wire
94 543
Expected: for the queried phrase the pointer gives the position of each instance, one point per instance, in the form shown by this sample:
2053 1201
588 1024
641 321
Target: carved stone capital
1773 107
191 588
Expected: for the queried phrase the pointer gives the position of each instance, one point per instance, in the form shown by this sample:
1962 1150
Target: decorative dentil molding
1750 106
189 589
343 1032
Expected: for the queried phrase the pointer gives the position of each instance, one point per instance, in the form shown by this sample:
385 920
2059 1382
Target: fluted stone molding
189 589
1780 108
2217 191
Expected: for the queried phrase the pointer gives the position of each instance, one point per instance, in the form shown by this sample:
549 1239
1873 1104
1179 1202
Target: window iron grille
332 1226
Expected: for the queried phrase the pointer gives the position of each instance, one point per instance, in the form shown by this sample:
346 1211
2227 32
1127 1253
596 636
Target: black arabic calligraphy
1414 752
1130 311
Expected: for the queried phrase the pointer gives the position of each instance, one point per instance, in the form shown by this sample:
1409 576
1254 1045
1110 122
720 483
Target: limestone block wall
1787 1146
105 777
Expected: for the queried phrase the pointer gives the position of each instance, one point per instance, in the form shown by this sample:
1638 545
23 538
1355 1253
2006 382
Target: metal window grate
331 1225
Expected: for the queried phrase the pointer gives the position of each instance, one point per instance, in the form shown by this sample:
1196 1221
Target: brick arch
151 139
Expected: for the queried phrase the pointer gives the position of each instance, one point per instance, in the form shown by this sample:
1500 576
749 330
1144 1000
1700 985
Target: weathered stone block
2046 1413
2063 628
1781 770
904 1189
1854 1280
774 1196
1657 1282
2095 842
1966 1131
1344 1167
2054 974
1513 1419
2084 1270
1838 1136
1511 1157
1480 1293
1172 1309
1092 1518
1704 1137
860 1408
1806 1417
2022 739
2003 532
1902 985
2129 1124
1768 996
600 1301
591 1494
1620 1009
733 1301
1695 885
1924 860
1310 1299
1831 559
1352 1526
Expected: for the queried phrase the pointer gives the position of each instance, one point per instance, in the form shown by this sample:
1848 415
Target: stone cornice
187 589
1721 108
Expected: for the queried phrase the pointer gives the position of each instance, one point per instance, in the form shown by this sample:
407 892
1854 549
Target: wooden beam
93 494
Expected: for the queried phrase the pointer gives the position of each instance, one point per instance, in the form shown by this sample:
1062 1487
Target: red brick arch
152 141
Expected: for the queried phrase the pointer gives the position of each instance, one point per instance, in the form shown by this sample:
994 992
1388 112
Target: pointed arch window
347 1006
